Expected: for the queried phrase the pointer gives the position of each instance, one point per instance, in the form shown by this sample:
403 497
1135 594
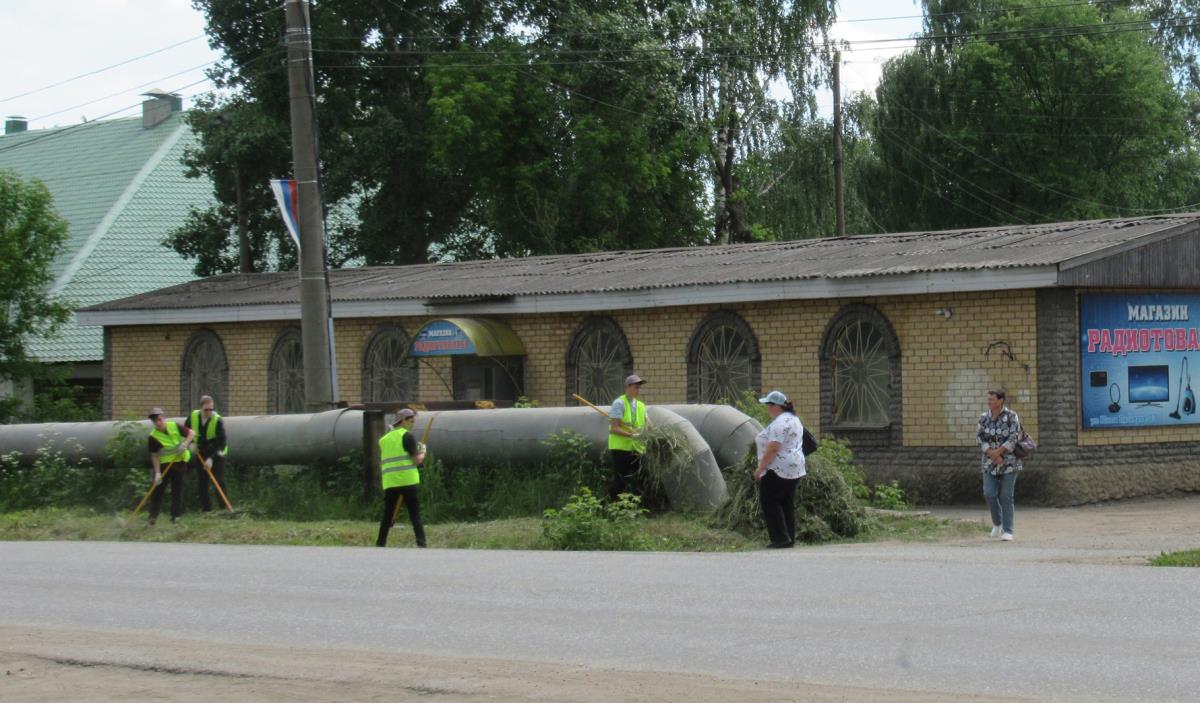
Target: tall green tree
372 112
31 235
564 153
735 51
1015 116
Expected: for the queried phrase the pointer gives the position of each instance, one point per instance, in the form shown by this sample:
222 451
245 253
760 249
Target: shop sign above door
458 336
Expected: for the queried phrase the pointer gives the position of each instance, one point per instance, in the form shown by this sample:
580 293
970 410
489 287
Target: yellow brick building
891 342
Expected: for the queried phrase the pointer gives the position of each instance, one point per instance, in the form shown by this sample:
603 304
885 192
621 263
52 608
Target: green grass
668 532
1190 557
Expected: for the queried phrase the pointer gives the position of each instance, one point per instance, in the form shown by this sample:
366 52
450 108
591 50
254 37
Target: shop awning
455 336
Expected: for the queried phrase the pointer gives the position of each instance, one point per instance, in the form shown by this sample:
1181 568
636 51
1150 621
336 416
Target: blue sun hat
774 398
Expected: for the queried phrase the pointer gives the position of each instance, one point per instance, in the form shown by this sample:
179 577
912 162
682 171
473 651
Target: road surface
974 620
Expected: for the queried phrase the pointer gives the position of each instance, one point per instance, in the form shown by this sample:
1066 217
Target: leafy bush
588 523
889 496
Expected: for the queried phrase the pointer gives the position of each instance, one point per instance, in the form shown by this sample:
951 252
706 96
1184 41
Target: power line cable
1027 179
72 129
1020 34
121 63
123 92
101 70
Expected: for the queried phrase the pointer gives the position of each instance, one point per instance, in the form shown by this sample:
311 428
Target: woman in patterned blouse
780 467
999 430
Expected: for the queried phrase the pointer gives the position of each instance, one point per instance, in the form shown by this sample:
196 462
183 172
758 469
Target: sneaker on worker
1006 537
996 530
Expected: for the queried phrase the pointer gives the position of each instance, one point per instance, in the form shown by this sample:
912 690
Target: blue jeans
998 491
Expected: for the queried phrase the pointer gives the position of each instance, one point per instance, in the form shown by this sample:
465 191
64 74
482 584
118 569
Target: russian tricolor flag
289 206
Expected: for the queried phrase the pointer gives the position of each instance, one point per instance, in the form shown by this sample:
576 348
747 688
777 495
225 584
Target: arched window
860 376
285 374
723 359
205 371
598 360
388 373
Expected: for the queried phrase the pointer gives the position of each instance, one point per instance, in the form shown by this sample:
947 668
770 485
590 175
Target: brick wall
1020 340
945 370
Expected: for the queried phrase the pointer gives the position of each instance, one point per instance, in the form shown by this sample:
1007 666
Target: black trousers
777 496
204 484
412 503
174 477
626 478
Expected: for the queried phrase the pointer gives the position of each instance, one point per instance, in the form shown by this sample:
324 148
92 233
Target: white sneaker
1006 537
996 530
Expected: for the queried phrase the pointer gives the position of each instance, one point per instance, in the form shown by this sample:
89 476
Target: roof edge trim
1136 243
723 294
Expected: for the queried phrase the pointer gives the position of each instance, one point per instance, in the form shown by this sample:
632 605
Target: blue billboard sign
442 338
1136 352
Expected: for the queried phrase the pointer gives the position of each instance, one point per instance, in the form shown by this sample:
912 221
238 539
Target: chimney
159 107
14 124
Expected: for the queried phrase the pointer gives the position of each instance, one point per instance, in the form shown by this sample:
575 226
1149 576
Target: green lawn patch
1190 557
670 532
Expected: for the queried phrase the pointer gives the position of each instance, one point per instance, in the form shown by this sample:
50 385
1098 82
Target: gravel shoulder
42 665
1124 532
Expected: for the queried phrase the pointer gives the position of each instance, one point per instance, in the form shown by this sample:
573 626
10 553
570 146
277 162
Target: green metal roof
122 189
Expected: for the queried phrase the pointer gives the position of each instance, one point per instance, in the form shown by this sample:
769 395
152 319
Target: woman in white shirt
780 467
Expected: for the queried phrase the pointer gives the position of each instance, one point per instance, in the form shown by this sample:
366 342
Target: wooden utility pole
838 186
316 330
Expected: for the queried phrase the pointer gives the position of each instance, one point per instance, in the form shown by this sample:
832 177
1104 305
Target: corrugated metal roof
121 189
606 272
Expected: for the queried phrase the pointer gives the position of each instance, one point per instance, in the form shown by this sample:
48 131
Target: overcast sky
46 42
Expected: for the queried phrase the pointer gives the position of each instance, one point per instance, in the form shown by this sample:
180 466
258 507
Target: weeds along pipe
518 435
458 438
253 439
729 431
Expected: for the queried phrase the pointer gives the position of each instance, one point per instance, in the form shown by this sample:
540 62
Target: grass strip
669 532
1190 557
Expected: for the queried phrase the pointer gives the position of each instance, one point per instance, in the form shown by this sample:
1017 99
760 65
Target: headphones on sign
1115 406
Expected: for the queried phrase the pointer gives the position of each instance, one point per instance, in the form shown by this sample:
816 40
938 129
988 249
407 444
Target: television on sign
1149 385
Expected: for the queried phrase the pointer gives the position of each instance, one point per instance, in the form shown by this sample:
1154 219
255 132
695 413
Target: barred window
285 374
389 374
598 360
860 367
723 359
205 371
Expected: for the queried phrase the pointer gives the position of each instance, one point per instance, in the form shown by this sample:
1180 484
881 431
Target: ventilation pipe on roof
14 124
159 107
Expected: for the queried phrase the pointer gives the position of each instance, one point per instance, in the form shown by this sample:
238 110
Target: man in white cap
168 444
626 420
399 456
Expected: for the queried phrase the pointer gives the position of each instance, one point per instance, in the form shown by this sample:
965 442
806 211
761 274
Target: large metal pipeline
518 435
458 437
729 431
254 439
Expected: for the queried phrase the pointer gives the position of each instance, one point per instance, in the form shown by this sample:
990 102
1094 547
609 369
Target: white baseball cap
774 398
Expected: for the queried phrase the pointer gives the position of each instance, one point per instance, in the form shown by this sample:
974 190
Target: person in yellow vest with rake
212 446
168 444
627 421
400 455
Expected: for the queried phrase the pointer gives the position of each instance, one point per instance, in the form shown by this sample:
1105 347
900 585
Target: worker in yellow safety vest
168 445
626 419
399 456
211 444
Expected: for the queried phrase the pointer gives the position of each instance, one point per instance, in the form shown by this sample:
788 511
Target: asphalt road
971 619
